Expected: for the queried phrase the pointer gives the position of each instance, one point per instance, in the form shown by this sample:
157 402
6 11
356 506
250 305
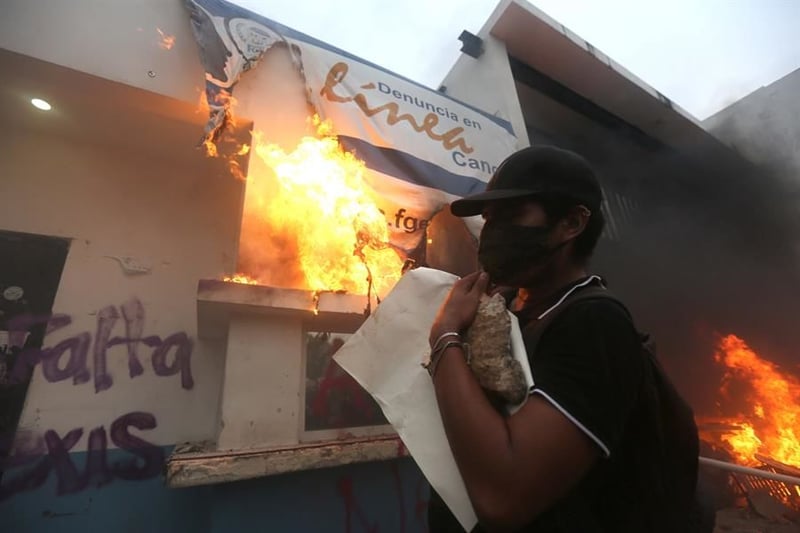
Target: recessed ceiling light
44 105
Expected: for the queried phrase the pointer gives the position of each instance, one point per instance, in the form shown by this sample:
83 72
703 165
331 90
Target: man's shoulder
597 311
599 329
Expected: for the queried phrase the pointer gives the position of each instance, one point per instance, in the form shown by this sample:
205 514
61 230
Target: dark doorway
30 271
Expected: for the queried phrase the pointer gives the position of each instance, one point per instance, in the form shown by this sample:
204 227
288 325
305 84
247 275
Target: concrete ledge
195 465
218 300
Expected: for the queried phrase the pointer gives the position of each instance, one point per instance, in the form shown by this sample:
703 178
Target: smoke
705 246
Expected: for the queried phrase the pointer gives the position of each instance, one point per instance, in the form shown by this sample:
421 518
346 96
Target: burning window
310 222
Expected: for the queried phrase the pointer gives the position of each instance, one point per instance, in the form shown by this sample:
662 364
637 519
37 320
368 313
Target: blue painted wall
380 497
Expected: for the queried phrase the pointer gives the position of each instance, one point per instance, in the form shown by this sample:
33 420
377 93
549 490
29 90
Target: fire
770 426
241 278
310 222
167 41
209 143
210 148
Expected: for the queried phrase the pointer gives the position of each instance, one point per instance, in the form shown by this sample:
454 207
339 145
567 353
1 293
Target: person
589 451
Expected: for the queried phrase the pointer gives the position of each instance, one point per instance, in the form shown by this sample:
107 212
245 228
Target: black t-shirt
589 365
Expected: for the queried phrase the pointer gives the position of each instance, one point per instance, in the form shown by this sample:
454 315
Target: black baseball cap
533 171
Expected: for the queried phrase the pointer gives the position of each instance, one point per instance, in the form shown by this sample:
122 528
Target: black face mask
508 251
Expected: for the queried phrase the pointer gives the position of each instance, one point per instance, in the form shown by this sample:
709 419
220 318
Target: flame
210 148
310 210
203 108
209 142
167 41
770 426
241 278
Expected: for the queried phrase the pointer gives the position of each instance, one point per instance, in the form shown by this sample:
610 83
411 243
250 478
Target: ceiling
89 109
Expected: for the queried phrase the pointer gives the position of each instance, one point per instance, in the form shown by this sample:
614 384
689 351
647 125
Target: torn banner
422 148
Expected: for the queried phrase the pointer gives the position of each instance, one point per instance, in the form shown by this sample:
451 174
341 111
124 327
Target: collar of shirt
541 308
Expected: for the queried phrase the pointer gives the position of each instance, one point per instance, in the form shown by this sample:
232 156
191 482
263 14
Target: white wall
114 39
487 82
181 218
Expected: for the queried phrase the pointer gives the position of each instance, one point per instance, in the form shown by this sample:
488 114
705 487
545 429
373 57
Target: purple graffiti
29 468
133 313
152 456
69 359
58 452
75 366
183 350
106 319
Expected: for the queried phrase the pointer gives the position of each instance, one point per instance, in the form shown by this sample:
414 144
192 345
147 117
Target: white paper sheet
385 357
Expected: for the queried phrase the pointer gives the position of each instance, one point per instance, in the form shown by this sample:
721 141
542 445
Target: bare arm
514 468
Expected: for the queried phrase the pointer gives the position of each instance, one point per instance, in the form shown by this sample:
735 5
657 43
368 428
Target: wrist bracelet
437 355
443 336
436 347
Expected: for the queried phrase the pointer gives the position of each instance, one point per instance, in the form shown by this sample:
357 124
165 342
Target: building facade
111 218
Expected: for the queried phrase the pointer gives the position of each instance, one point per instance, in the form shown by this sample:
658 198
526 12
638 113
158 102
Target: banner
422 148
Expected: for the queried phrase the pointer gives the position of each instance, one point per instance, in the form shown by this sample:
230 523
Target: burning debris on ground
767 401
757 425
